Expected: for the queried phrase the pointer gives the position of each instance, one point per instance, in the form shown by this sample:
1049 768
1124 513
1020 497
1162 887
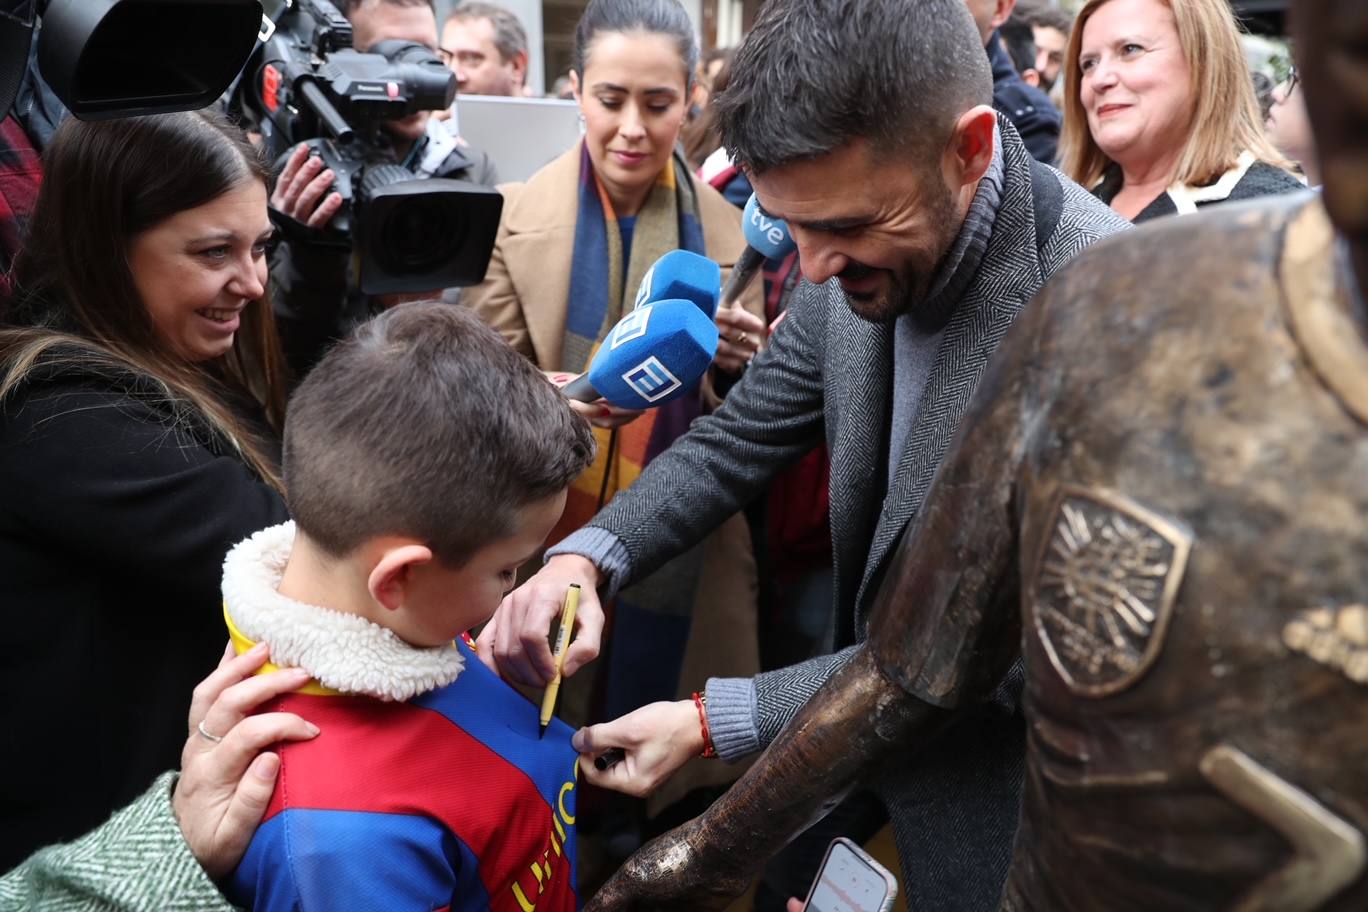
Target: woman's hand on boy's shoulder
227 773
514 644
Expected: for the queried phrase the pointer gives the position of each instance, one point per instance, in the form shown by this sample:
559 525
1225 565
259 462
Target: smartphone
850 881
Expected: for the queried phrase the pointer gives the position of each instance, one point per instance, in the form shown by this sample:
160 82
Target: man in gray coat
924 226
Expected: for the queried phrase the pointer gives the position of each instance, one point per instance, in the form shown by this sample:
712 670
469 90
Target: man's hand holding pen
514 644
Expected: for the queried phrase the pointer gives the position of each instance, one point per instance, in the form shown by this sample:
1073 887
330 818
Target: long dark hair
76 303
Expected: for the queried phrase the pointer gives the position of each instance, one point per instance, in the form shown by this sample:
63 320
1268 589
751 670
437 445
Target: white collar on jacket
342 651
1186 197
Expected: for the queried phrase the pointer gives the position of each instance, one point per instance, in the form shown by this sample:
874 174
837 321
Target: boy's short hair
426 424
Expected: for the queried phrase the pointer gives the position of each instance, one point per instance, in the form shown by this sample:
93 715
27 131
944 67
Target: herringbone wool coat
827 375
137 861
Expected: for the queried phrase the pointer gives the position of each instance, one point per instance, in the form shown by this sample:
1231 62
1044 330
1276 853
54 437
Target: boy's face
441 603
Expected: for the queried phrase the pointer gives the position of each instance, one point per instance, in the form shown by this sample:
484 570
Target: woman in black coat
140 400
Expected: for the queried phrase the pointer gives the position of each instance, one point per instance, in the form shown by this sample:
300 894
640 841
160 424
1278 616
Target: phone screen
847 883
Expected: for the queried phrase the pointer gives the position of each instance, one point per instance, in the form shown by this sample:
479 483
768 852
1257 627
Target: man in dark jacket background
1028 108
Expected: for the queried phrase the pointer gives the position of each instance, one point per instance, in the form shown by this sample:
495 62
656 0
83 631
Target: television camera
306 83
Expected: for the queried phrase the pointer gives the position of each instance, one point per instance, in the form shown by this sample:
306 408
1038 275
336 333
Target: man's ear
1003 12
1031 77
519 62
970 150
392 574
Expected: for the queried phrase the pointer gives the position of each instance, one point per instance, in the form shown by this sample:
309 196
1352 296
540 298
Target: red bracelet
701 701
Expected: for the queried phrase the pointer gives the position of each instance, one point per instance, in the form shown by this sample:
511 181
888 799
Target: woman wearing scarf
574 243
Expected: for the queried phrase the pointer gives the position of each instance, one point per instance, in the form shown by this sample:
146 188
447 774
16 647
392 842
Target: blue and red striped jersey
448 801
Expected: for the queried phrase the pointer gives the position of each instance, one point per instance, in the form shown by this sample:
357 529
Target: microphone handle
747 265
581 389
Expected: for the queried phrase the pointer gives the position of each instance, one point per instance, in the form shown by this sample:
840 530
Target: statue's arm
858 718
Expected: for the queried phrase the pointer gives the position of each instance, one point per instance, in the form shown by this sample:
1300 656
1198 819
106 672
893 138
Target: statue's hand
679 870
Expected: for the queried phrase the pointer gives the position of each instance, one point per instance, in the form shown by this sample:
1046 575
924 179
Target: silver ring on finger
205 733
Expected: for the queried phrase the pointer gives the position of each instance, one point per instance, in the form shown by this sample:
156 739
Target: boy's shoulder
454 783
477 729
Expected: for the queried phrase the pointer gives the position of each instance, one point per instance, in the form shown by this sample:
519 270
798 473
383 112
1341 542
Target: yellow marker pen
562 642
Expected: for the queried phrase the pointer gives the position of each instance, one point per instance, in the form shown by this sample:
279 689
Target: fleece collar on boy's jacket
342 651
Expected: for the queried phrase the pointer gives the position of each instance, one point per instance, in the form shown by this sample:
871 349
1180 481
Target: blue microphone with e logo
660 350
682 275
655 354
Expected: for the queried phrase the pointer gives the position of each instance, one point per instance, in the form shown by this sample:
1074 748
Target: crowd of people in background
156 319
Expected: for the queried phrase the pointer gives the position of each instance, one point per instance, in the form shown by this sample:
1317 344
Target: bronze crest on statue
1103 588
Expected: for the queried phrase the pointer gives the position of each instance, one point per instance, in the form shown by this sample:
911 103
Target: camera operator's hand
301 191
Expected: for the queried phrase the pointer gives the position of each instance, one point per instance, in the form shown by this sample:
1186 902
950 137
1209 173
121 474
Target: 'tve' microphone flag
766 239
682 275
655 354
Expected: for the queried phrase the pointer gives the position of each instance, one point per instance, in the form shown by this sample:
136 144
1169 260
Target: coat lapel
538 251
859 377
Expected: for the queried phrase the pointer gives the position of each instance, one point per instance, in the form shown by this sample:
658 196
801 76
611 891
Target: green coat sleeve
135 861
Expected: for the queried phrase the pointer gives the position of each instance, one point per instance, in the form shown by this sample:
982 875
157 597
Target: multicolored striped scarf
651 617
599 284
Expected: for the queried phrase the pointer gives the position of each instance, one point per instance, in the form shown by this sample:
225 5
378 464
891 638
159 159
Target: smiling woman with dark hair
140 392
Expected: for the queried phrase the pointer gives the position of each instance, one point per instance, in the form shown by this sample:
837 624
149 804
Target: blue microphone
767 238
682 275
655 354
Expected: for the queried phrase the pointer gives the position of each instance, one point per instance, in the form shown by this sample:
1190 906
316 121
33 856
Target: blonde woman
139 391
1160 115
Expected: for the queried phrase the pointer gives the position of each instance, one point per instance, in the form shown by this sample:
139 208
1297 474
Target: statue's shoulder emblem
1102 590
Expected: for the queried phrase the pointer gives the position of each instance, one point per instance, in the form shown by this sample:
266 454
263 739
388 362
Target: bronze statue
1158 501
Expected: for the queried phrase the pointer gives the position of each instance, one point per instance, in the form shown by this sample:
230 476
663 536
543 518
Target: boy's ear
390 577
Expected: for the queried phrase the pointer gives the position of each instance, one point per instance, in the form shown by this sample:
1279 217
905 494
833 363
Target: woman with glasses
1160 113
1289 127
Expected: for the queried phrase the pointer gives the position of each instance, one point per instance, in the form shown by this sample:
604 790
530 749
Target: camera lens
420 234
